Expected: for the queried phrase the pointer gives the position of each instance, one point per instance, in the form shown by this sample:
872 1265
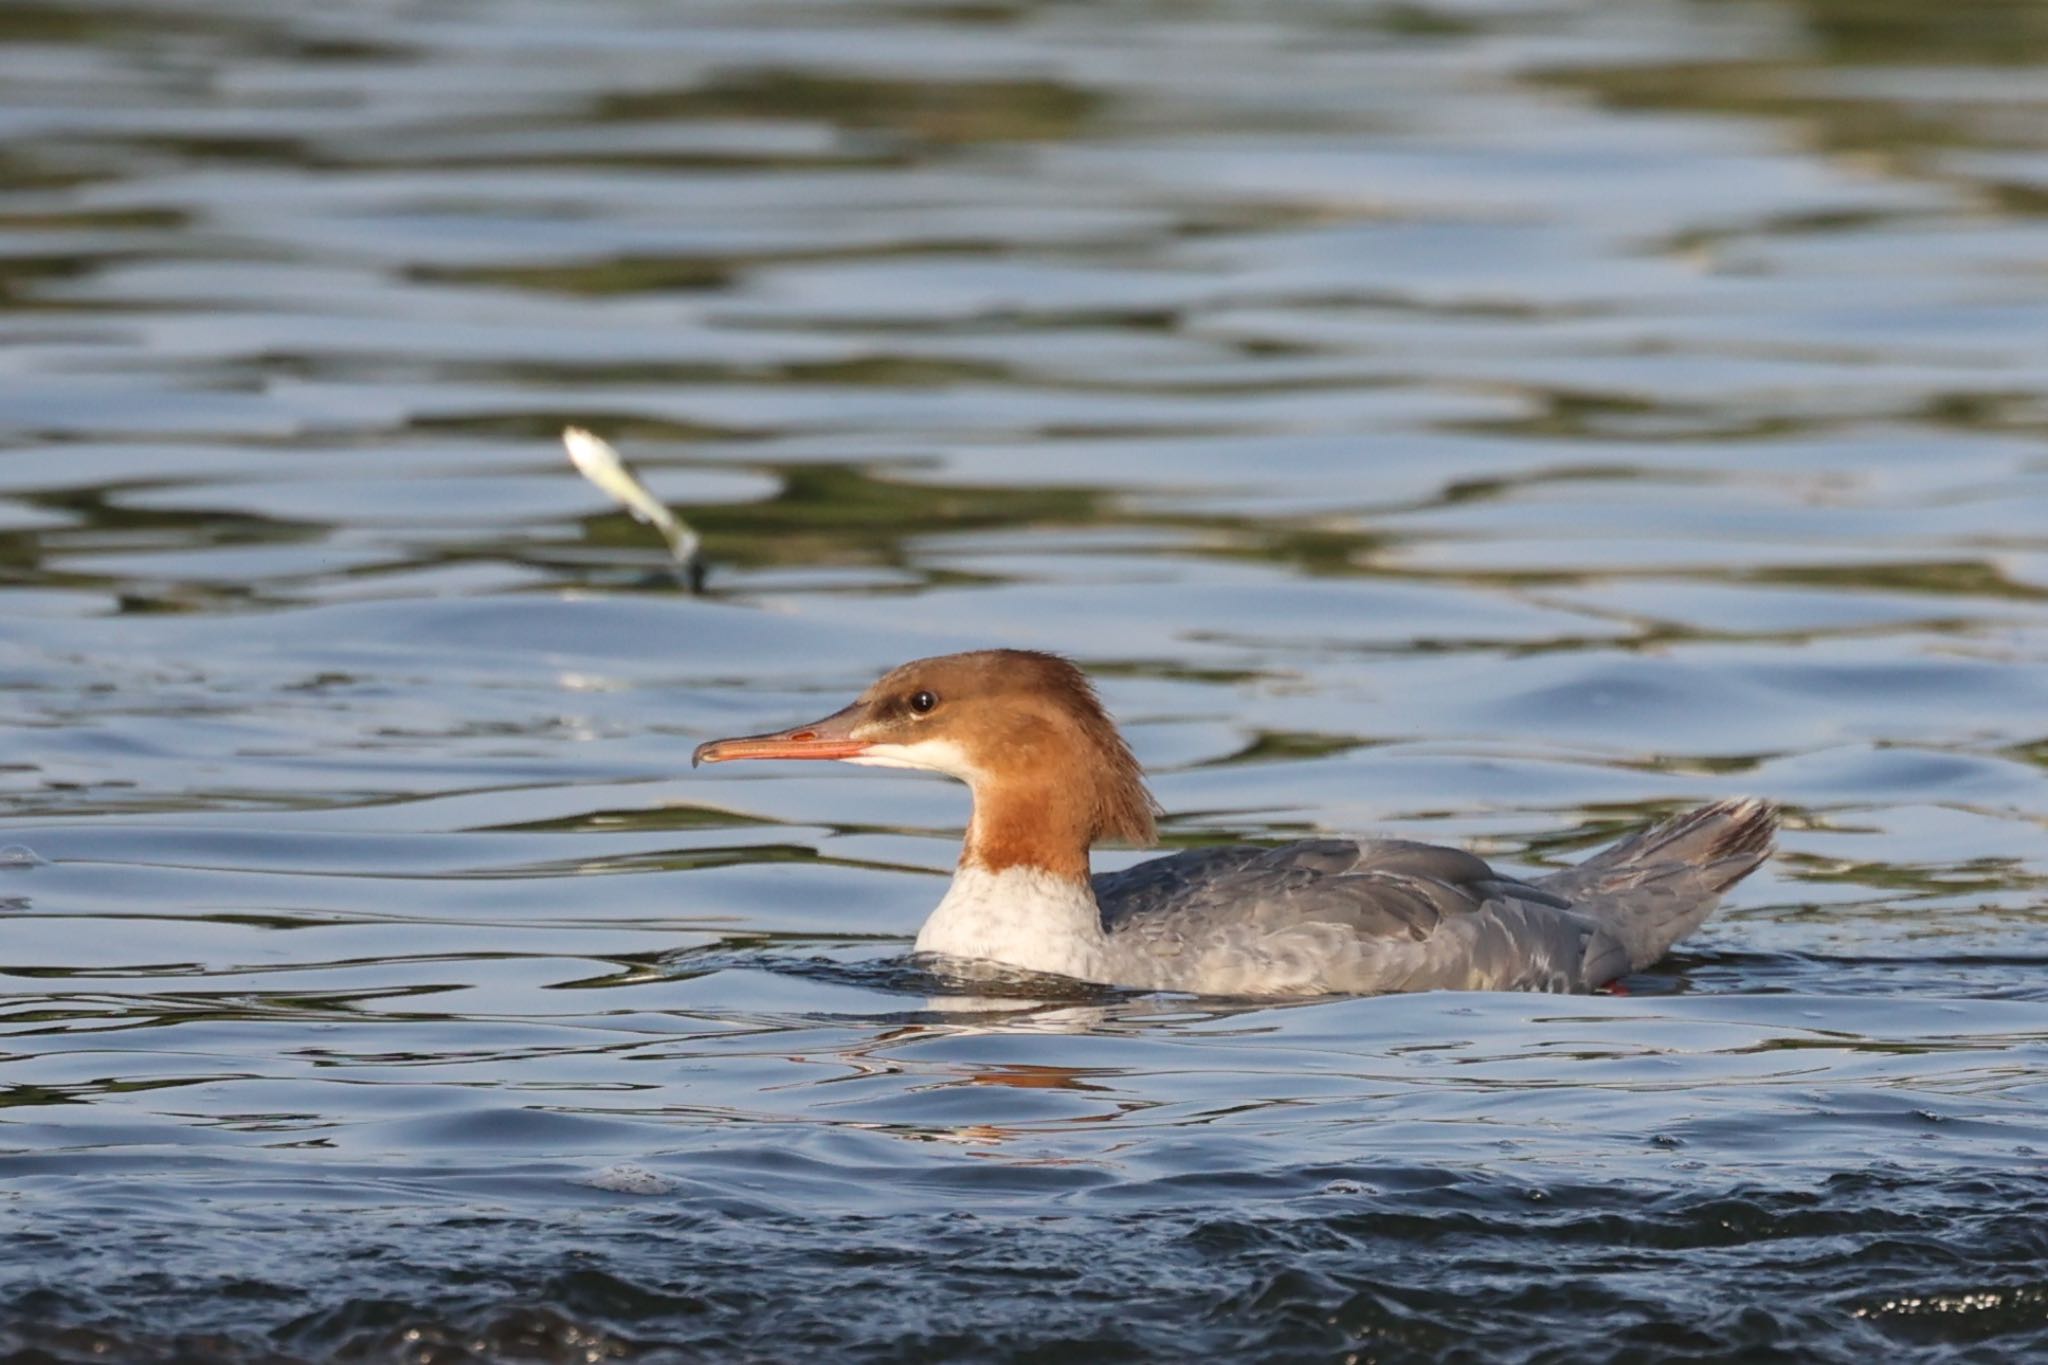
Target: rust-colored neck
1044 829
1055 793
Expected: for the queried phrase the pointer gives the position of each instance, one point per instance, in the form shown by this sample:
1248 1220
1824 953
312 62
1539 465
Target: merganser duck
1050 777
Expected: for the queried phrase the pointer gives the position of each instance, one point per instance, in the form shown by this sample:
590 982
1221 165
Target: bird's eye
922 702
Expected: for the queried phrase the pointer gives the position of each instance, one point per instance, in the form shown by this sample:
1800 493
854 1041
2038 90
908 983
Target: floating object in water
628 1179
1050 776
596 461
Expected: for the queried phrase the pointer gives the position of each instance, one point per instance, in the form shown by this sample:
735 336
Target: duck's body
1342 916
1050 776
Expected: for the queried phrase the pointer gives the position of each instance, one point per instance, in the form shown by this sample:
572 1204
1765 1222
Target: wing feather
1338 915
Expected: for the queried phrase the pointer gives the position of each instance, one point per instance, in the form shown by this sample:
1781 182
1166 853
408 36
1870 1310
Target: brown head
1049 772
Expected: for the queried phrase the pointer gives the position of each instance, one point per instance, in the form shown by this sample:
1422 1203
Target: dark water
1493 423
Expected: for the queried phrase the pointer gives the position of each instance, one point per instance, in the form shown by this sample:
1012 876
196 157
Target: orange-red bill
831 737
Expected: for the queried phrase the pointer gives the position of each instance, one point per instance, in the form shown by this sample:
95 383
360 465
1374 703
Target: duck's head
1024 730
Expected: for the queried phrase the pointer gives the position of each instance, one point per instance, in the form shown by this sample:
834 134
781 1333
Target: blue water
1495 424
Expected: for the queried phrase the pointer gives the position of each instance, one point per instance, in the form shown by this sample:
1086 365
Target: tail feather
1655 887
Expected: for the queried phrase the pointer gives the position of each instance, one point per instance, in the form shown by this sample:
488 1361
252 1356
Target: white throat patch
930 755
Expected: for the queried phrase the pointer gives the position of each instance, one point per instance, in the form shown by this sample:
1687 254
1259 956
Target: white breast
1019 917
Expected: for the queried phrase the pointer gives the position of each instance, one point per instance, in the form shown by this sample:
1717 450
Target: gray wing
1326 916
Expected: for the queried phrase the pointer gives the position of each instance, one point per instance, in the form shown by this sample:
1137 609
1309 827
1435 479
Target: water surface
1497 424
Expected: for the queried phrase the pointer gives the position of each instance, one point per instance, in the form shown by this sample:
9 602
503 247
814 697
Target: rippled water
1496 423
